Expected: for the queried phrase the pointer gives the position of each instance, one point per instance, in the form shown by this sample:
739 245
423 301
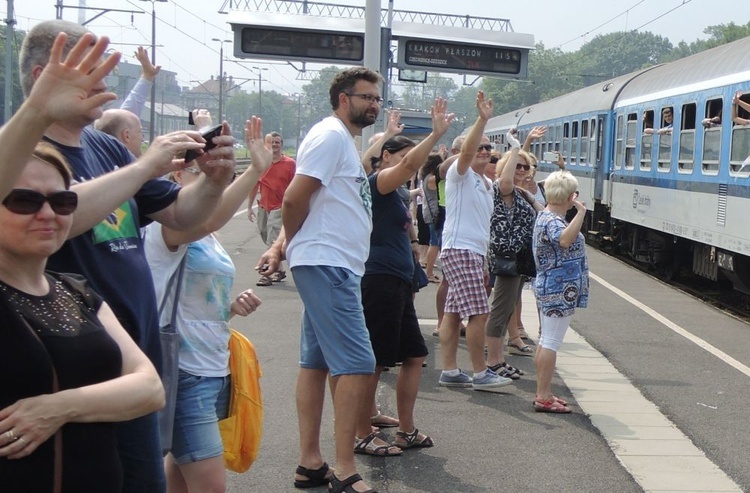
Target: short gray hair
559 186
38 43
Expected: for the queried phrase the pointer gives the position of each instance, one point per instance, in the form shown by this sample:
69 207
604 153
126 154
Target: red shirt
274 181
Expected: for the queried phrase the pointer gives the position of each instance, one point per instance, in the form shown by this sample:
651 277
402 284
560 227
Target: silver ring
10 434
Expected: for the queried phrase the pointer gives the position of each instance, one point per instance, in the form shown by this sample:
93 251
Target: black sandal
345 486
315 477
367 446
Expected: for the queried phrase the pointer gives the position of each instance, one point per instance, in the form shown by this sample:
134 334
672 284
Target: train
662 165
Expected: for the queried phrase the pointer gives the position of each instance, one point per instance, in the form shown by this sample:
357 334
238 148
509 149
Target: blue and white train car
675 196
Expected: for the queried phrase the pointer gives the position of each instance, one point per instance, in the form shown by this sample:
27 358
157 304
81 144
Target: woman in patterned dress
562 279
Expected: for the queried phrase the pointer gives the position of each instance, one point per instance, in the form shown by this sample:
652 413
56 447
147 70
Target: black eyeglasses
484 147
522 166
368 97
21 201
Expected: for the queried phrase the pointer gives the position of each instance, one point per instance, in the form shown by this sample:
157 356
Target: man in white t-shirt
327 221
466 234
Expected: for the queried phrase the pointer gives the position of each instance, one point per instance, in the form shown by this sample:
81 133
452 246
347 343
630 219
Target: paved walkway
657 454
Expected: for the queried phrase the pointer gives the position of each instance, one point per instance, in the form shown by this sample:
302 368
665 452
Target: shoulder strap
177 274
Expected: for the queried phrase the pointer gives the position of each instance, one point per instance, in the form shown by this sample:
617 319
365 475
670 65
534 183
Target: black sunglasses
21 201
523 166
486 147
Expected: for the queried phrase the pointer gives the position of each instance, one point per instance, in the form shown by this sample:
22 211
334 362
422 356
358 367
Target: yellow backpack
242 430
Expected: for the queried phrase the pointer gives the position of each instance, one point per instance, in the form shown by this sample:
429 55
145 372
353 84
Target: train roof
599 97
725 64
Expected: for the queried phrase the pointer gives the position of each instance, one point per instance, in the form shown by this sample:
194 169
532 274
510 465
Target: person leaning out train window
736 100
667 118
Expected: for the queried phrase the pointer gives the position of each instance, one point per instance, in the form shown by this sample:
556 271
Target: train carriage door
596 132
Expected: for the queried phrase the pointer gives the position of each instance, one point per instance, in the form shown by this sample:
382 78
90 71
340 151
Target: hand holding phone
550 156
209 135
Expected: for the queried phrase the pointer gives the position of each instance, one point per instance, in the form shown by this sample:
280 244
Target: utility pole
9 38
221 76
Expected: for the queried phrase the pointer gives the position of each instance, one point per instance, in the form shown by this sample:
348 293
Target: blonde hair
559 186
521 153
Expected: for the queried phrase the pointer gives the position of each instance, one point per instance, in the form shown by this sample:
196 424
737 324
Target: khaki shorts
269 225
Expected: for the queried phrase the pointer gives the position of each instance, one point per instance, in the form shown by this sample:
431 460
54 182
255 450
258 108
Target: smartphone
190 118
550 156
209 135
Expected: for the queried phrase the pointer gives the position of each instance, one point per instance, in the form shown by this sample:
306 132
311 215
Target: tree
17 98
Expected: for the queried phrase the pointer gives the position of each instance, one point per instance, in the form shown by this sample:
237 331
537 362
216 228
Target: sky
185 28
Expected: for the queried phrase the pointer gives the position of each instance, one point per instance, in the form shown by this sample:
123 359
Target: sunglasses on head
21 201
484 147
522 166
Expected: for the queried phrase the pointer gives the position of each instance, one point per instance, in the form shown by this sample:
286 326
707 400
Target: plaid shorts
464 272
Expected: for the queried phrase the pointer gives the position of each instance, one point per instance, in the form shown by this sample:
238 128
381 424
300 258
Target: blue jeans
139 446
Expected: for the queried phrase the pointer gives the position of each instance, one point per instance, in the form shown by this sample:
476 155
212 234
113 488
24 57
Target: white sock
452 373
481 374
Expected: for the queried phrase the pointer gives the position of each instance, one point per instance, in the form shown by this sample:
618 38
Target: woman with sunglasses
81 370
387 296
511 226
196 462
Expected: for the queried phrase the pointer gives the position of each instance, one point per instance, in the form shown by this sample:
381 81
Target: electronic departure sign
462 57
308 45
303 38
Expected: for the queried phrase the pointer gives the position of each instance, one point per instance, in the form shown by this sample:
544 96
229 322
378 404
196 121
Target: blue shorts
201 403
334 336
436 236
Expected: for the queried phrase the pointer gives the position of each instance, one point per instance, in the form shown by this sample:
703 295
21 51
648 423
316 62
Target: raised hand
441 121
484 107
512 140
68 88
149 71
537 132
161 157
260 155
201 118
395 126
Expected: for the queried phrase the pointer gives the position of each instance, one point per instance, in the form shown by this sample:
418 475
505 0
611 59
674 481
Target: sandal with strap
264 281
315 477
551 405
411 440
382 421
367 446
345 486
278 276
506 371
520 349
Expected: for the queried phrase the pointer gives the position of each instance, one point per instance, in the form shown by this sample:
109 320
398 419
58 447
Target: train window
584 155
740 150
687 150
713 113
648 121
599 139
619 149
741 111
630 133
665 152
566 141
558 136
687 118
647 144
575 137
711 150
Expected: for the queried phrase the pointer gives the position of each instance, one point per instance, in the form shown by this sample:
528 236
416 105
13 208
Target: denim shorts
436 236
334 336
201 403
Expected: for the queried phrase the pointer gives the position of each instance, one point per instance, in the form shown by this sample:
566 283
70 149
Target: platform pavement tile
610 385
606 396
587 370
678 473
601 420
611 407
655 448
619 432
568 361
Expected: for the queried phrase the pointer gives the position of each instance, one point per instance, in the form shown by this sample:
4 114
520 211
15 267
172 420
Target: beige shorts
269 225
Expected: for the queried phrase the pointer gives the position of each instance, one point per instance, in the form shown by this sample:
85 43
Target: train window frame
648 121
664 153
574 140
685 151
647 140
583 156
739 151
600 139
619 142
558 137
740 112
631 127
710 165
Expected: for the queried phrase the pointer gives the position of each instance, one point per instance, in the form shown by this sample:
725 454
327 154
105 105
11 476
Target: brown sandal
367 446
382 421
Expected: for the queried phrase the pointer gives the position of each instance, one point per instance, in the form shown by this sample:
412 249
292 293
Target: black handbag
505 264
525 262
